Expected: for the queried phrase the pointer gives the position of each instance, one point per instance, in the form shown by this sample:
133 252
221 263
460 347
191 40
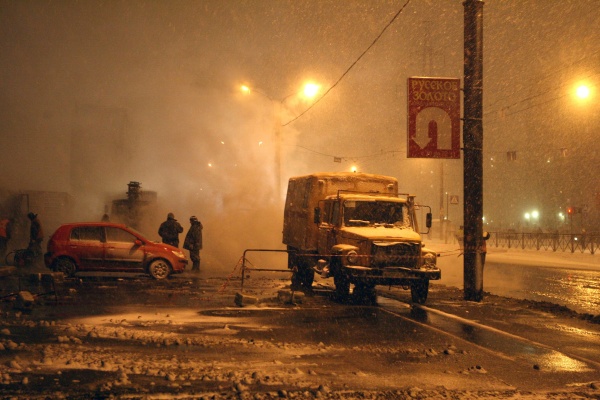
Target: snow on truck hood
382 232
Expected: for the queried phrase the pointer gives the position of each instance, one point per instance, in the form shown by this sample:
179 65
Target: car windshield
388 213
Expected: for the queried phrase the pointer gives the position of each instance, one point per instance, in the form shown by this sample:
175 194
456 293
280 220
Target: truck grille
395 255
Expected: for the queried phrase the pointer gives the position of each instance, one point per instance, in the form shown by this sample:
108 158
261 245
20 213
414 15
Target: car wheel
66 266
418 290
159 269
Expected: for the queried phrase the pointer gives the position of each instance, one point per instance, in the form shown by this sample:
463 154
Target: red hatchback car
110 247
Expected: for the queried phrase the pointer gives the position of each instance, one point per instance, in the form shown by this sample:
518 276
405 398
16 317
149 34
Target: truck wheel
293 265
365 293
307 276
303 277
292 258
340 279
418 290
342 285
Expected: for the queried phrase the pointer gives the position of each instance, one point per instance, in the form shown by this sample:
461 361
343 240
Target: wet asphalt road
576 289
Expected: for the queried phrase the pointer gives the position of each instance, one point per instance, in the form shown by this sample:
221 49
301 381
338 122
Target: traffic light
570 211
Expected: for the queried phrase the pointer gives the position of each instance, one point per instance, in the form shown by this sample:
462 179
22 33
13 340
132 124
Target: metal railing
246 268
565 242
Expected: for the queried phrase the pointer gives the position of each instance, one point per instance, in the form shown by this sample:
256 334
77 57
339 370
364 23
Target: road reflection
501 343
576 289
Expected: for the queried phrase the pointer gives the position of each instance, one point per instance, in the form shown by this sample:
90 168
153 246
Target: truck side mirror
317 219
428 219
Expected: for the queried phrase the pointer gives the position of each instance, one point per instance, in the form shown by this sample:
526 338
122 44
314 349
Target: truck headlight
352 257
429 260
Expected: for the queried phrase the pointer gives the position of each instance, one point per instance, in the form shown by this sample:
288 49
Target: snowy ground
185 338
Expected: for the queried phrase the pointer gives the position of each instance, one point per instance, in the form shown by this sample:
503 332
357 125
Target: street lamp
309 91
583 92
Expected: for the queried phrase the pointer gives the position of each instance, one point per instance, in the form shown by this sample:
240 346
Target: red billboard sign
433 117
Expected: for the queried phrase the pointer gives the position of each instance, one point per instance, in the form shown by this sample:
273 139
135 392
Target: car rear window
119 235
87 233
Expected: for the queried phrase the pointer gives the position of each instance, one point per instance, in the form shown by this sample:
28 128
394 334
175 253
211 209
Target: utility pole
473 150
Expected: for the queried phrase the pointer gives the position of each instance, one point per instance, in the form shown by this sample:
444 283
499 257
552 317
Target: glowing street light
583 92
309 91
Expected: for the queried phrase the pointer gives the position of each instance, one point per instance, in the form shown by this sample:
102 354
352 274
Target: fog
94 95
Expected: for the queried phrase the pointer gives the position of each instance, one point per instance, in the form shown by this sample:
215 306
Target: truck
358 229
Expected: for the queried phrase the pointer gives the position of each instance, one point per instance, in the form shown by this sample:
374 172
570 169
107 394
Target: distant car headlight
178 253
352 257
429 260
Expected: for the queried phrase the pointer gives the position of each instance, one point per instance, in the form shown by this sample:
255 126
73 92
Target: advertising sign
433 117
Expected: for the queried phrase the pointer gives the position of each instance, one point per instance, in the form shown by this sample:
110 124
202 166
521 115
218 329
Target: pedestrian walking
193 242
5 233
36 236
169 230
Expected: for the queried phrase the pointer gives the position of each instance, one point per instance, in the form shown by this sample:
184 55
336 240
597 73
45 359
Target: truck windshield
363 213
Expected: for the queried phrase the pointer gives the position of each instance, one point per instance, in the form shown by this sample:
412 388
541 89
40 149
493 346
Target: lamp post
309 91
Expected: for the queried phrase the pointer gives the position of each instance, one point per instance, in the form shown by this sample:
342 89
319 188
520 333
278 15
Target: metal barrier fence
582 242
245 267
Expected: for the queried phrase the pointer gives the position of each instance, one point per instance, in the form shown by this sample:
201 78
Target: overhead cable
351 66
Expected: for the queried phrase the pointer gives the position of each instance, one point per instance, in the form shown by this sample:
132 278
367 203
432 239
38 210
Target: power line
550 100
352 65
590 75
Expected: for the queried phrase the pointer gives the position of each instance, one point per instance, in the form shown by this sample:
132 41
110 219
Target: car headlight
352 257
429 260
178 253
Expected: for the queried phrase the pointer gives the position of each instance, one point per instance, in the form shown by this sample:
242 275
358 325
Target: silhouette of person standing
169 230
193 242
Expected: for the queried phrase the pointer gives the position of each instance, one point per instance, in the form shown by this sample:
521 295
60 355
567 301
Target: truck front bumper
390 275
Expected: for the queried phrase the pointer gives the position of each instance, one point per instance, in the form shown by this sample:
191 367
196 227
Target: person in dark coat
36 236
169 230
193 242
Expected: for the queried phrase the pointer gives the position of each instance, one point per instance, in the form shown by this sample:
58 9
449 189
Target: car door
327 227
124 251
86 246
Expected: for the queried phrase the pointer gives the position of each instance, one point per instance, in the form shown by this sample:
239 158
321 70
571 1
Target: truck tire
307 276
418 290
365 293
303 278
293 266
342 286
292 258
303 275
340 280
